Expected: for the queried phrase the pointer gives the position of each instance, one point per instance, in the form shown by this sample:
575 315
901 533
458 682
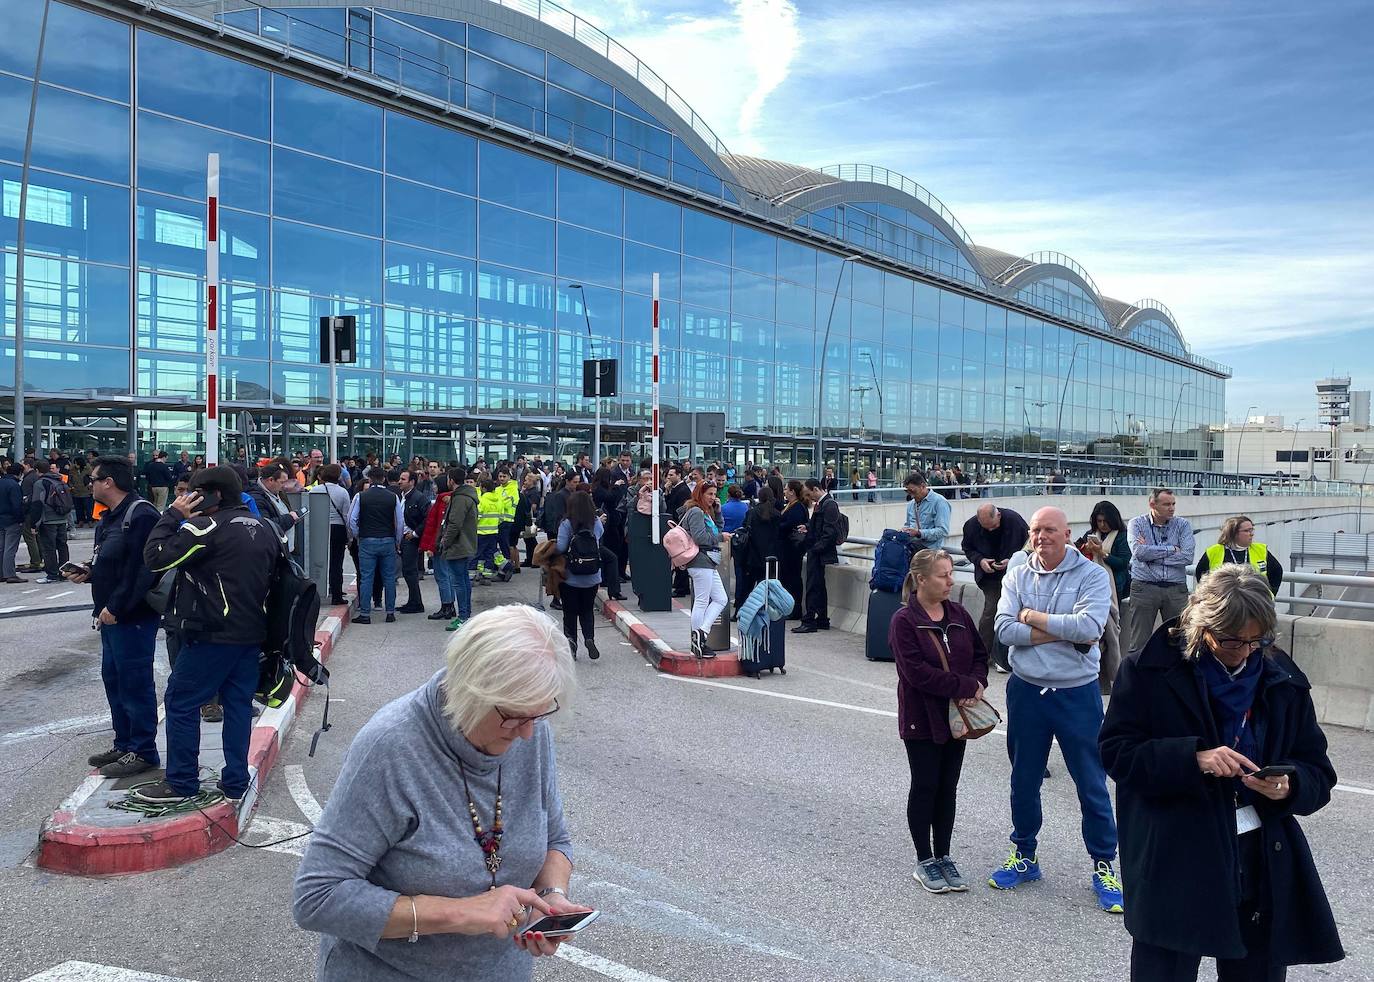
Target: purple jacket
924 688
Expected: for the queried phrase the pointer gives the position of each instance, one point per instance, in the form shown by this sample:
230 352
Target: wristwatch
558 890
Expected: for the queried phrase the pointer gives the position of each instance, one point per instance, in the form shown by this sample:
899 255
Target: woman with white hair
1213 742
445 835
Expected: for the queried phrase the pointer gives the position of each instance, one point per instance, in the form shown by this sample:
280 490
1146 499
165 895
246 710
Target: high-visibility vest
491 512
510 493
1259 556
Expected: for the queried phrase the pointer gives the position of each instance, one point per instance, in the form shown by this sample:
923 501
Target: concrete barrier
1336 655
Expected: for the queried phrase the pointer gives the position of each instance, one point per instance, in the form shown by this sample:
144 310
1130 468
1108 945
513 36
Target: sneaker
1001 669
127 766
229 795
391 617
1107 886
212 712
930 873
362 619
444 613
108 757
160 793
454 624
52 579
1016 870
555 604
953 877
592 651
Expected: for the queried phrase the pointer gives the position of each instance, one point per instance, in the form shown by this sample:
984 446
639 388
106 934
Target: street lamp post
591 350
1059 421
1174 422
820 379
1240 440
1293 448
878 388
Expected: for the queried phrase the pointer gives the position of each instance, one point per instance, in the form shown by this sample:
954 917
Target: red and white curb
71 843
660 654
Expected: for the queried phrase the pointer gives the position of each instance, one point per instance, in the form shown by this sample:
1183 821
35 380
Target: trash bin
651 577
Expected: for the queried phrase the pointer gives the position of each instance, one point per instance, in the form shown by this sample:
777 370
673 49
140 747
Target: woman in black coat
794 513
763 539
1213 860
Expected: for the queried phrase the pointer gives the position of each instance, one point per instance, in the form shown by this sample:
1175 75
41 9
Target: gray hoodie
1077 594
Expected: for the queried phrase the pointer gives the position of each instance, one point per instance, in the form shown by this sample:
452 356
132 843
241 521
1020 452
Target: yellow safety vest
491 512
1259 556
510 491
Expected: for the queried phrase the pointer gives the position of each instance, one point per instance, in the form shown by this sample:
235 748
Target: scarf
767 602
1232 699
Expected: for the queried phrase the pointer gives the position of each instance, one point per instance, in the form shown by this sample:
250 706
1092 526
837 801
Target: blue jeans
454 575
372 554
126 668
1073 717
202 671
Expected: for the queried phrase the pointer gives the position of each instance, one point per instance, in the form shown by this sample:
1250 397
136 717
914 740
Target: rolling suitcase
775 655
881 607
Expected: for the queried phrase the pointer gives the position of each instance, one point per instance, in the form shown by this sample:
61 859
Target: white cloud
770 31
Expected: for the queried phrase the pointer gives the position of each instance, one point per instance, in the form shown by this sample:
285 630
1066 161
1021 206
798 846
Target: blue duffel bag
892 559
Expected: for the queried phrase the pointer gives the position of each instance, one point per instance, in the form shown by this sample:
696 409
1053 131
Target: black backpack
293 607
57 498
584 554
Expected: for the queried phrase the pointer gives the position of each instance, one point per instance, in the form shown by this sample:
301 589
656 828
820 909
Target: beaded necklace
488 841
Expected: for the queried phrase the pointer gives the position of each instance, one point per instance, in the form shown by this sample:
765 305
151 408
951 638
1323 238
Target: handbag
969 722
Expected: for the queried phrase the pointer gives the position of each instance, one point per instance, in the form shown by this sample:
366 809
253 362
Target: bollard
718 636
650 576
315 525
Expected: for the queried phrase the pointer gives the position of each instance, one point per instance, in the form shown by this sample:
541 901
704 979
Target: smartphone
208 499
1275 770
70 567
562 925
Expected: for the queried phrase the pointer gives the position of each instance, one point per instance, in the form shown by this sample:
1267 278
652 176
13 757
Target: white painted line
90 972
47 729
32 590
784 695
84 790
64 593
604 966
264 829
300 794
1352 789
890 688
10 610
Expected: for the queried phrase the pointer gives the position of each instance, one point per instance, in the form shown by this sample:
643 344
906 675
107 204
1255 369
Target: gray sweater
1077 594
397 824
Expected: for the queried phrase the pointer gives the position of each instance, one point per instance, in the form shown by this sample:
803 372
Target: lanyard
1241 732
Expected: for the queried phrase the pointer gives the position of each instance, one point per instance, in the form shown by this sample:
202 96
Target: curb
659 653
69 845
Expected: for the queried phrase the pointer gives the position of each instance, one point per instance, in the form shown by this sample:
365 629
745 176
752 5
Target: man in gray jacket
1051 616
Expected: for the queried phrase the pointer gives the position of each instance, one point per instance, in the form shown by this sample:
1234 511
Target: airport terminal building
482 183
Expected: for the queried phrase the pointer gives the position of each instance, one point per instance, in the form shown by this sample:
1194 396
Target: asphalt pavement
729 830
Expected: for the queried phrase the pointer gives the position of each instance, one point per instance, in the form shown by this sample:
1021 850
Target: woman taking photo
444 836
1107 544
699 517
579 540
927 626
794 514
1213 860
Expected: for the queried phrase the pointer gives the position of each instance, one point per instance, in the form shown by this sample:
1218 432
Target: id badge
1247 819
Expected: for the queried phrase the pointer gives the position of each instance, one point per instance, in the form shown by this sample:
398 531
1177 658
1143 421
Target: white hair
512 656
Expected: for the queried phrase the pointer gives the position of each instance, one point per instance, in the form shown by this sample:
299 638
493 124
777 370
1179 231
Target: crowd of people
1210 735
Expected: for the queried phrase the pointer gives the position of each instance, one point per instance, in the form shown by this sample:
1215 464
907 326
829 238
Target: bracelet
558 890
414 923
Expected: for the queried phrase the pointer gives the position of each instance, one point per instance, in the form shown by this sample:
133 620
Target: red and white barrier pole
212 310
654 525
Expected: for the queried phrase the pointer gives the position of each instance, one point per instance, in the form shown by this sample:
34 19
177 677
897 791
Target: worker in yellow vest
491 512
509 490
1236 544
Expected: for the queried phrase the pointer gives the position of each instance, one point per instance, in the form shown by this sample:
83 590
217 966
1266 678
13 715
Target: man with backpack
225 562
49 505
825 530
120 581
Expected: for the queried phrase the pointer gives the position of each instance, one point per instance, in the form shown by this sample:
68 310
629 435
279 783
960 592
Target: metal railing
875 174
859 495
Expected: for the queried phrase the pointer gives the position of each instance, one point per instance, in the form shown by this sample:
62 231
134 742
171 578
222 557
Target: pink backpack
681 547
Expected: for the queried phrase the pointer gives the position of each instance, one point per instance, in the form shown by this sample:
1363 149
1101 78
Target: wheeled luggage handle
770 562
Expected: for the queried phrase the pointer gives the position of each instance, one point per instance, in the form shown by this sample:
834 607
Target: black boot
444 613
704 650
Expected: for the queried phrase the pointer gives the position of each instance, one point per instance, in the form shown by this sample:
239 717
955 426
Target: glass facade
477 270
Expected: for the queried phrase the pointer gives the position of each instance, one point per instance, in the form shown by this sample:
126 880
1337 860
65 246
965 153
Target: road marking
604 966
10 610
33 590
300 794
784 695
48 729
265 829
64 593
1352 789
90 972
889 688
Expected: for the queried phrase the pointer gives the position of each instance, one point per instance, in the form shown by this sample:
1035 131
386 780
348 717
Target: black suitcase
775 658
881 607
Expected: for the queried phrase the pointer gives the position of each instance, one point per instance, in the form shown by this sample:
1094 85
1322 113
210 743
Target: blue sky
1218 156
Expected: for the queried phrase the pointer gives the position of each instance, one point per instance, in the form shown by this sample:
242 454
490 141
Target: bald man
1051 616
991 538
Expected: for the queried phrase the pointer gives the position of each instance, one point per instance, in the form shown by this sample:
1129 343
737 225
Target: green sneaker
454 624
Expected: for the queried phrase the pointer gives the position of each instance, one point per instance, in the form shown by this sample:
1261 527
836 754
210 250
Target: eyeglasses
515 722
1239 644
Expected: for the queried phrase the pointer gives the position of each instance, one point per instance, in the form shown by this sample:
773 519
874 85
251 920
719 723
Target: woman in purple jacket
927 625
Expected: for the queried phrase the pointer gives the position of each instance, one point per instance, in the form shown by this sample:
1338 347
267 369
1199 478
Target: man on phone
991 538
927 515
119 580
224 560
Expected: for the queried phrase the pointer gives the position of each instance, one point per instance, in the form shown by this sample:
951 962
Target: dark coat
1179 853
765 539
924 688
823 531
11 502
980 544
